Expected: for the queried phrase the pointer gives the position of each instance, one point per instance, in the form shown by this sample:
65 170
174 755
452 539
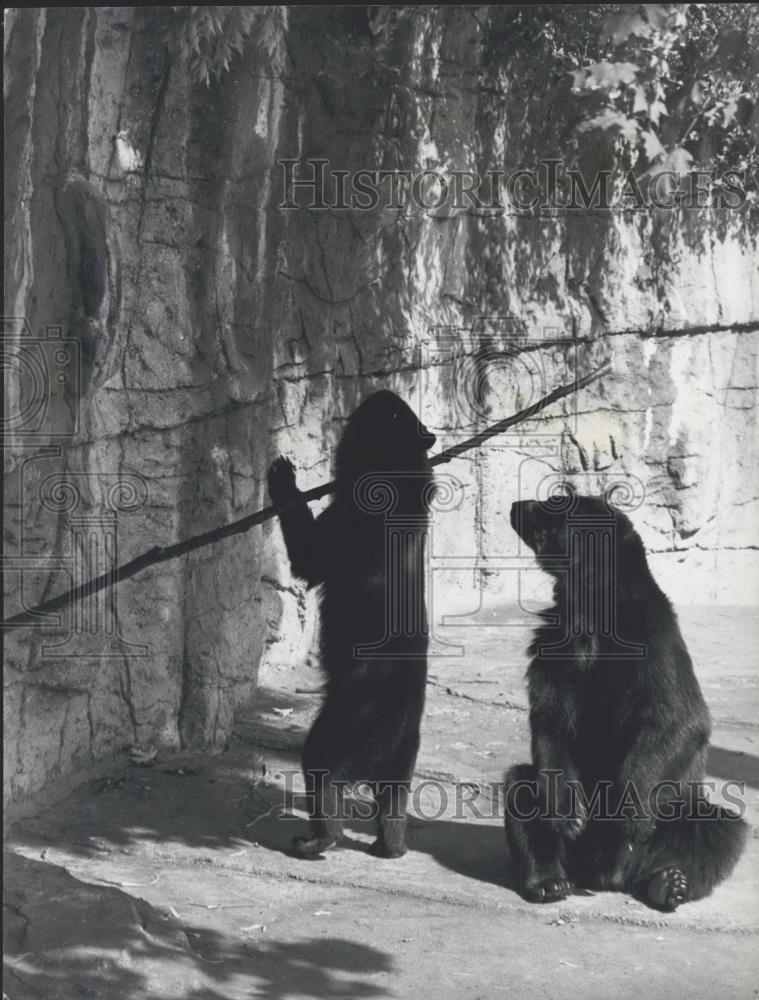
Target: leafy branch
207 39
678 85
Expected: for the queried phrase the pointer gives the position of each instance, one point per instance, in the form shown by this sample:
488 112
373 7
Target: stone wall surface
209 329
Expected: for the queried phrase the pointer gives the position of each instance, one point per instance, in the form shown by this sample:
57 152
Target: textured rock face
211 329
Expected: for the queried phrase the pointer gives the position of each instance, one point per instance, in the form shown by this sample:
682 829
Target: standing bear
367 551
613 798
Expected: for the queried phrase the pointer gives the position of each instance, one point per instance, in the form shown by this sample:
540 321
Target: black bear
613 798
367 550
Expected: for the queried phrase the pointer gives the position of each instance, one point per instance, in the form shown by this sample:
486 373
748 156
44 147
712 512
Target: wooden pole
161 554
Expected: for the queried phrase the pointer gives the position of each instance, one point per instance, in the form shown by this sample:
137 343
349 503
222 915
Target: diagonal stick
161 554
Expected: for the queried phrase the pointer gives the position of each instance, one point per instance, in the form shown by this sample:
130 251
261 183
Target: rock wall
207 329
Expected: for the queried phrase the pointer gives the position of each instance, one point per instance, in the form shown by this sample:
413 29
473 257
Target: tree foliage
676 86
207 39
677 83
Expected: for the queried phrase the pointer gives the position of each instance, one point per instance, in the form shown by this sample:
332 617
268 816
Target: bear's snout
427 438
522 516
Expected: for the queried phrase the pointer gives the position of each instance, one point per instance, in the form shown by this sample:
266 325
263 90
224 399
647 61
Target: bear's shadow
476 850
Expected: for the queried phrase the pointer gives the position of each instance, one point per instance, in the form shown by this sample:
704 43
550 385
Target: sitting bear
374 633
613 798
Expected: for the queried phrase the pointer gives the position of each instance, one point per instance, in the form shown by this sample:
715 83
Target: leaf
617 28
612 121
639 22
606 75
640 102
657 109
729 112
678 160
652 145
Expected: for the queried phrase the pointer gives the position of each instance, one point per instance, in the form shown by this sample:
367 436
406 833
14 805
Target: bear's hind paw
668 889
310 847
380 850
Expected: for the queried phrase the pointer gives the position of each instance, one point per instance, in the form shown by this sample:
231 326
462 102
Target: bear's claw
668 889
549 890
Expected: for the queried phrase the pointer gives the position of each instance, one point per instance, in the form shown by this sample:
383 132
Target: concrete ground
170 880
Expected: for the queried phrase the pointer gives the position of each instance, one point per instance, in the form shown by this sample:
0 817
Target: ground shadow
475 849
226 803
62 935
733 765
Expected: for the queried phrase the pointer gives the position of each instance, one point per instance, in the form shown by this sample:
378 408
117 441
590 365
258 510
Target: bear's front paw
668 888
281 478
547 890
